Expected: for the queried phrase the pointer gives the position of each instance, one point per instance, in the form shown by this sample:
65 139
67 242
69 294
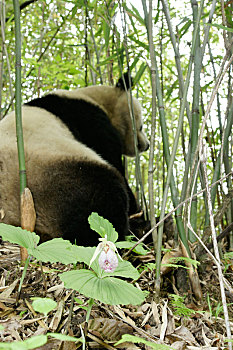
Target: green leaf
134 339
128 245
31 343
139 73
64 337
36 341
108 290
43 305
13 346
84 254
140 43
19 236
106 29
219 26
134 13
55 250
124 269
103 227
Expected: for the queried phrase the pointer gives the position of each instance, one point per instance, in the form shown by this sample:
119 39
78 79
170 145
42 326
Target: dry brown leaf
202 348
109 329
164 321
57 317
179 345
121 313
10 331
155 312
186 335
67 345
4 307
146 319
7 292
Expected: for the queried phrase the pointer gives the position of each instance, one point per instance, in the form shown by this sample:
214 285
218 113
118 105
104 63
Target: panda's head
116 102
122 119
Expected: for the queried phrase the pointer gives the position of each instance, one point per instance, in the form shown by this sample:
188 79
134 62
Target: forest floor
180 325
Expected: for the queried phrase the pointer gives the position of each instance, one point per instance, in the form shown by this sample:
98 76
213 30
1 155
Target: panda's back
87 121
45 135
68 180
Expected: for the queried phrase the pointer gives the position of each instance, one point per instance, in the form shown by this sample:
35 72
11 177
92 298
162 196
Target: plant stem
195 113
90 304
202 156
18 107
153 125
174 149
22 277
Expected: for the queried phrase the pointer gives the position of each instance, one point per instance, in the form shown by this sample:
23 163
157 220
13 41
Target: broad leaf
31 343
55 250
43 305
108 290
19 236
103 227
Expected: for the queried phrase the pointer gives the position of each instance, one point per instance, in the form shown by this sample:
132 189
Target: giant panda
74 141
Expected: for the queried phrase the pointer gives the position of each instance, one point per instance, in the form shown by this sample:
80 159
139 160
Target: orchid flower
108 255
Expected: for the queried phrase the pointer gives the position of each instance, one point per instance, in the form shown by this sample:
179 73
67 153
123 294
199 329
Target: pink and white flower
108 255
108 261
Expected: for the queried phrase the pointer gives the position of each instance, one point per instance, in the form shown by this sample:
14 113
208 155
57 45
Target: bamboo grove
180 54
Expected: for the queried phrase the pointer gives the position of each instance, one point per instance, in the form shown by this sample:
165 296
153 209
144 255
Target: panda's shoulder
70 104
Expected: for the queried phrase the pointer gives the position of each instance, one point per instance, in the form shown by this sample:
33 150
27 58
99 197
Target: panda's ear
125 82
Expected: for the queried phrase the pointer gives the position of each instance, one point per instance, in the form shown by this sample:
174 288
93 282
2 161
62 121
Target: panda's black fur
99 189
90 126
74 165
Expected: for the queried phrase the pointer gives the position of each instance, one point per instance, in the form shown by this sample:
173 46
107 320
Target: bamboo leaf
220 26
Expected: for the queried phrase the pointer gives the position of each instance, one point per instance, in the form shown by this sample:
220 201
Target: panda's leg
71 191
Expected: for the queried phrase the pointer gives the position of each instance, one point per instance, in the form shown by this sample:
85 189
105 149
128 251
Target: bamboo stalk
195 113
18 107
94 43
216 174
202 156
153 126
207 28
2 24
4 52
177 56
176 140
130 103
174 191
28 216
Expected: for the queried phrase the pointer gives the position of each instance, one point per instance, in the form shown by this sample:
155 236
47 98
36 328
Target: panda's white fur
44 134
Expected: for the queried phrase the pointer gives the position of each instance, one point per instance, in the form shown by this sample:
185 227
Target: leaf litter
160 323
